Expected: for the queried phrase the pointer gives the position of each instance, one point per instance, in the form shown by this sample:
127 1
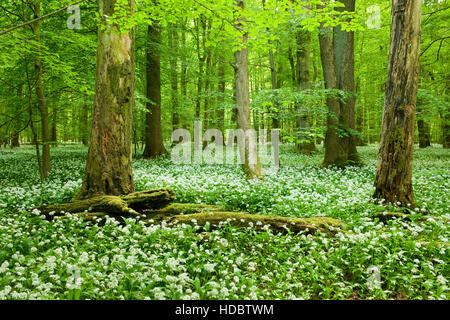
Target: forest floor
74 259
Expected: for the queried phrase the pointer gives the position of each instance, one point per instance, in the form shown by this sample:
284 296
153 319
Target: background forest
86 113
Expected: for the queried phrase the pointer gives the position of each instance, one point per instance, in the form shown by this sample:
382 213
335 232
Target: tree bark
344 55
154 146
424 133
42 101
335 148
393 181
221 89
108 167
84 127
446 130
173 44
303 76
251 165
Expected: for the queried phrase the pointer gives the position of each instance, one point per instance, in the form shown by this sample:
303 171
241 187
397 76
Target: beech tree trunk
344 55
84 127
251 166
335 148
424 133
108 168
394 168
173 44
183 76
337 54
303 76
154 146
221 89
42 101
446 130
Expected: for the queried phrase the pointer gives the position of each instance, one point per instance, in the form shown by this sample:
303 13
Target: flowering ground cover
74 259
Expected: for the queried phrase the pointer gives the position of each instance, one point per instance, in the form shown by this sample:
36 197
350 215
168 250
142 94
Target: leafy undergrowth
71 259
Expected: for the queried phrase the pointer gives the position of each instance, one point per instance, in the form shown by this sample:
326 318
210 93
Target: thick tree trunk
108 168
335 147
154 146
393 181
424 133
42 101
251 165
344 55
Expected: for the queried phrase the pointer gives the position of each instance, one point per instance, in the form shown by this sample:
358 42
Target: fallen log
260 222
126 205
201 214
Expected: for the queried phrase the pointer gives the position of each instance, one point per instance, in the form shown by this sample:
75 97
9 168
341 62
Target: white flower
209 267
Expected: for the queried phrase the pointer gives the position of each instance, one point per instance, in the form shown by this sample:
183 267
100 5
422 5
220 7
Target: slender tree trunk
221 88
273 76
303 76
207 78
54 126
173 44
30 113
108 167
424 133
84 126
446 130
251 166
183 75
154 146
42 101
201 63
393 181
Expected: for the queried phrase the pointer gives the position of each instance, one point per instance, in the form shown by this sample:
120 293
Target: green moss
275 223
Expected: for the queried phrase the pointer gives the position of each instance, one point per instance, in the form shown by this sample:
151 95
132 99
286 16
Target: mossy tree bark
394 168
154 146
250 164
108 168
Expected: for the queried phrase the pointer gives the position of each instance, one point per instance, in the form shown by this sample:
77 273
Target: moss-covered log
260 222
150 199
130 204
179 209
